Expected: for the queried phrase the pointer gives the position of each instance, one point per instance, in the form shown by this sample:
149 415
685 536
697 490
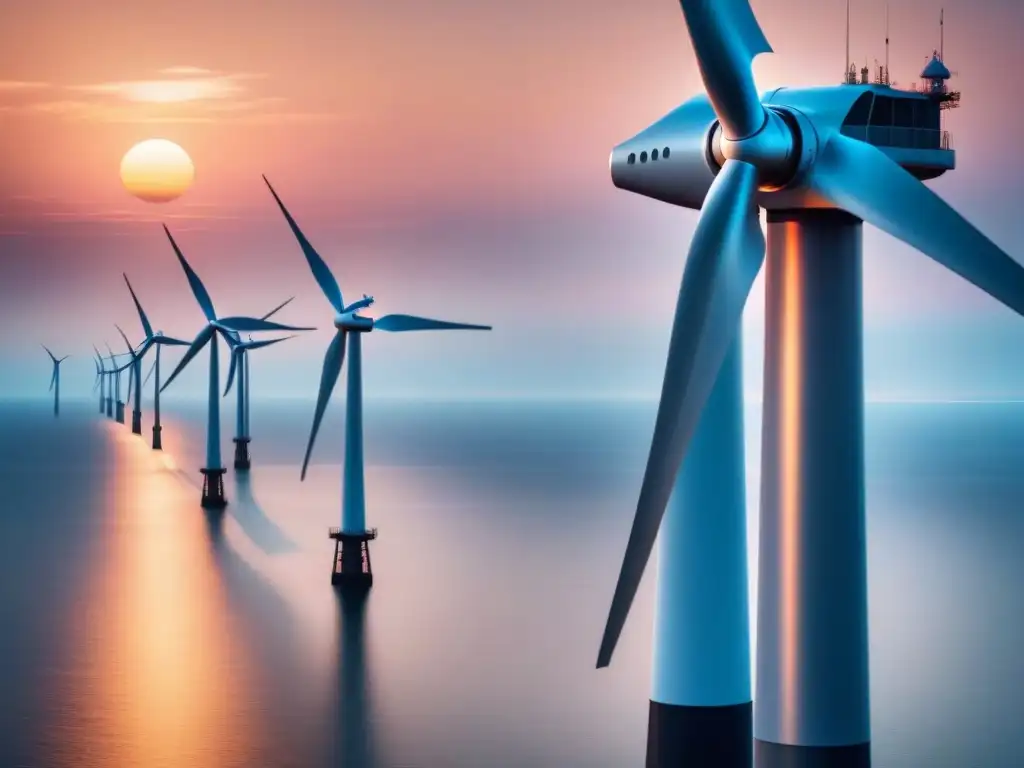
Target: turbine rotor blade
131 349
200 341
146 327
198 289
860 179
53 378
52 356
725 256
149 375
253 325
321 272
249 345
726 37
235 353
277 309
400 323
170 341
333 360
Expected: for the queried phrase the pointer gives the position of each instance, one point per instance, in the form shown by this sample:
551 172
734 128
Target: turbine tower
100 380
153 340
242 438
135 376
351 540
55 379
213 472
116 373
106 391
240 362
821 161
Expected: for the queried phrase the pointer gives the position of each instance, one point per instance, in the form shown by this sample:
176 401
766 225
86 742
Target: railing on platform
903 138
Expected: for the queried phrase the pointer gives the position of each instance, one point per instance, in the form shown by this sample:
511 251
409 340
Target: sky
451 159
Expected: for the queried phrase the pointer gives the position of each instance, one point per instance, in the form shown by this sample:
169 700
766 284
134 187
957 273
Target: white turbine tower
351 551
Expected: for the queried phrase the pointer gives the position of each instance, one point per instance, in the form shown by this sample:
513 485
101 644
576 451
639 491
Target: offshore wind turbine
106 403
820 163
351 548
153 340
242 438
55 379
240 361
134 376
116 373
213 472
99 384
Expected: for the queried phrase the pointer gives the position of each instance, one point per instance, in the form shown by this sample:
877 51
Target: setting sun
157 171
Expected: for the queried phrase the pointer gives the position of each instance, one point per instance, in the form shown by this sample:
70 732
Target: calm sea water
138 631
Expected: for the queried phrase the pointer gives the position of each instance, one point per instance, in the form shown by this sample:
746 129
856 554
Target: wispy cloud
22 85
180 94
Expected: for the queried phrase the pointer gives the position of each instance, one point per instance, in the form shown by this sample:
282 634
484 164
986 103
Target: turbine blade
328 378
131 379
725 256
277 309
146 327
253 324
150 374
726 37
99 357
231 369
200 341
317 266
53 378
52 357
264 343
860 179
198 289
399 323
170 341
131 349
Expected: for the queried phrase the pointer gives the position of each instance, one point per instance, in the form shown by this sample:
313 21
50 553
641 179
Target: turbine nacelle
350 321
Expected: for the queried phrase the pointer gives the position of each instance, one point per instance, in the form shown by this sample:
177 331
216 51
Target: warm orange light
157 170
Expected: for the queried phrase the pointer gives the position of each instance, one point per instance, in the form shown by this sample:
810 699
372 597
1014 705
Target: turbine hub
350 321
781 151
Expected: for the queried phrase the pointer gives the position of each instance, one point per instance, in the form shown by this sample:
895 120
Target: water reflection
250 515
354 744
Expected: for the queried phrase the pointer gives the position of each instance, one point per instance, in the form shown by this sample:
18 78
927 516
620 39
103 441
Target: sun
157 171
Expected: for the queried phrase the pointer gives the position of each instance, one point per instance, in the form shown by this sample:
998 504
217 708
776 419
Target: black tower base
352 559
110 408
137 422
213 489
157 442
120 412
700 737
783 756
242 452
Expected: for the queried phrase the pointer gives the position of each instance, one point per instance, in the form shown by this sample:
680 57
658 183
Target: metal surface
701 620
812 631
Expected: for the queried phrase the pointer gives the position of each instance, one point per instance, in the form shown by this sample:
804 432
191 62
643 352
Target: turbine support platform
213 489
119 414
769 754
704 737
352 568
158 444
242 460
136 422
110 408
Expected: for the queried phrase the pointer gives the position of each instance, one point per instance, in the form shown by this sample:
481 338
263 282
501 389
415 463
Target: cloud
22 85
181 94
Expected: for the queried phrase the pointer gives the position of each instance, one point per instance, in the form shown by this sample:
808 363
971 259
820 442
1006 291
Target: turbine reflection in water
355 743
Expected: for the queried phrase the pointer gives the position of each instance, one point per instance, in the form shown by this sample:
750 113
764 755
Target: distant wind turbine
106 404
152 340
99 380
116 373
240 362
213 472
55 379
353 537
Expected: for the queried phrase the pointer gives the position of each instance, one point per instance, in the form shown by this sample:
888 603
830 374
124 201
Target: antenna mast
887 43
846 65
942 35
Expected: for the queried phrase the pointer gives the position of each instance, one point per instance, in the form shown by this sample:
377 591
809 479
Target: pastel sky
450 158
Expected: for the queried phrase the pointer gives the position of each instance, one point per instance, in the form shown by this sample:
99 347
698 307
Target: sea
139 631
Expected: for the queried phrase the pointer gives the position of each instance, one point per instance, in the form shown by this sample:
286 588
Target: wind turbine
116 373
135 376
55 379
804 155
213 472
153 340
240 362
351 550
106 405
100 380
